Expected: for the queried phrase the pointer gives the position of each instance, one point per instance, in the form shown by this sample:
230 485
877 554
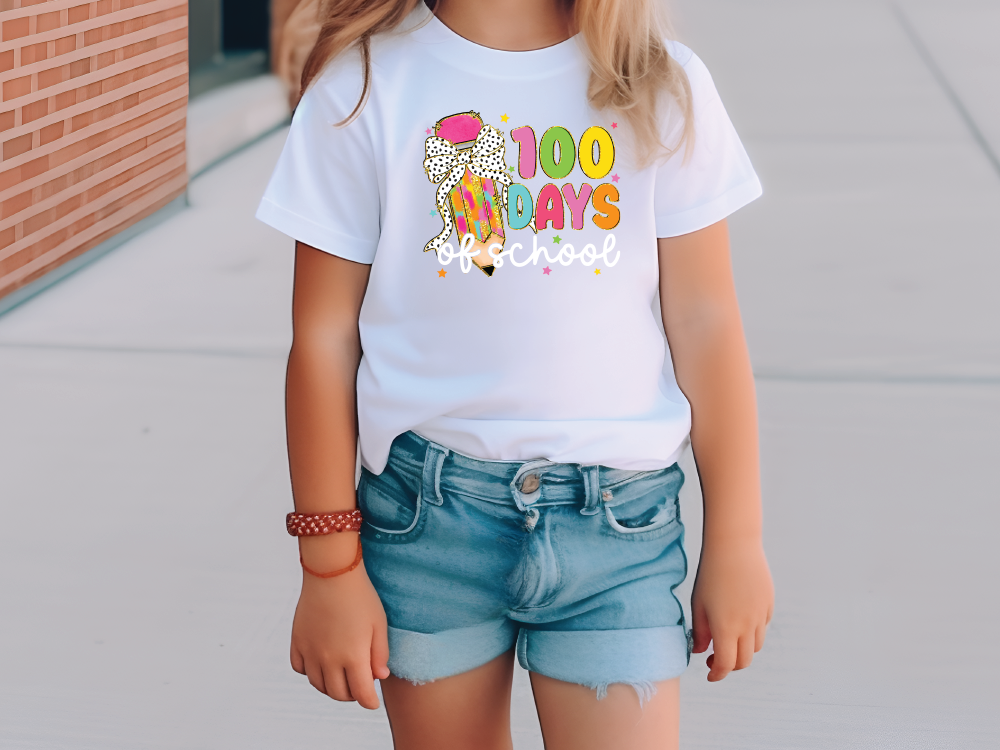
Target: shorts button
529 484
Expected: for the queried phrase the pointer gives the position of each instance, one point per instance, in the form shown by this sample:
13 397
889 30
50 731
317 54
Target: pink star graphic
614 125
615 178
546 270
429 131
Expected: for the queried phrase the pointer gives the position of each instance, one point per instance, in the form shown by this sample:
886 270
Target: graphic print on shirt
467 159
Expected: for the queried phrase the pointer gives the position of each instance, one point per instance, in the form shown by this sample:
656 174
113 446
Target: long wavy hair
630 67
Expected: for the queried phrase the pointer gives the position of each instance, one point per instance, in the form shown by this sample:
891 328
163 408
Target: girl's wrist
329 552
729 542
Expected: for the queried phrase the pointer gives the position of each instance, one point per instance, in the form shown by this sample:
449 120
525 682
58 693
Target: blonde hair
624 39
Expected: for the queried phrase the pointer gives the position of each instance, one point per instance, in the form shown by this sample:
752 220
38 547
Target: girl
487 196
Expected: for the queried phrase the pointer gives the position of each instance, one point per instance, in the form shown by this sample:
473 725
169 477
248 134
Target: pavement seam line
925 54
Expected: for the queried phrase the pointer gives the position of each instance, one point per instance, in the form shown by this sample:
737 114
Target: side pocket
646 508
661 514
392 510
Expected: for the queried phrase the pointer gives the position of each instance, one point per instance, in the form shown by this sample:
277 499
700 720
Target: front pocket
640 509
391 509
659 515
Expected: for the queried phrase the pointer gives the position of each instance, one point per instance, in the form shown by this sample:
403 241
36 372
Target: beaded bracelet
316 524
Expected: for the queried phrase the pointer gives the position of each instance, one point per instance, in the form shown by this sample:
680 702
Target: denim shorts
576 565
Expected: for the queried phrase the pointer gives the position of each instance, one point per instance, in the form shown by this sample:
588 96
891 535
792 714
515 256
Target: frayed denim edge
644 689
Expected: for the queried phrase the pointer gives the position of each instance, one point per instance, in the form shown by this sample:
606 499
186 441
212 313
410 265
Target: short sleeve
325 190
716 177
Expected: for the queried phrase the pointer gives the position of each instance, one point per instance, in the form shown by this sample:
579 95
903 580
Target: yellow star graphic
441 273
597 271
504 118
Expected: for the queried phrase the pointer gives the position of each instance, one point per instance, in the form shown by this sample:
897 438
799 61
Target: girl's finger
336 683
315 674
724 658
759 635
744 651
298 663
700 632
362 685
380 652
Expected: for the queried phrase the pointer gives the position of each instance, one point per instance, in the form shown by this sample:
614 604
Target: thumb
701 633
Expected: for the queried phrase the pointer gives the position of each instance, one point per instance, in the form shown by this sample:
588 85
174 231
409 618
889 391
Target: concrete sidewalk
141 412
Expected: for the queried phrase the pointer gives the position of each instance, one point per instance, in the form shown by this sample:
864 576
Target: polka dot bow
446 164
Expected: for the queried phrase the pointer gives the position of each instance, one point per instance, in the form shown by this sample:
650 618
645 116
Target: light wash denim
576 565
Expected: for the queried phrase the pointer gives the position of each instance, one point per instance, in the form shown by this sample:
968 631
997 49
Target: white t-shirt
478 333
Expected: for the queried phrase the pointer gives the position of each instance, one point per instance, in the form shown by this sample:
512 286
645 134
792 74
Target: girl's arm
339 633
733 594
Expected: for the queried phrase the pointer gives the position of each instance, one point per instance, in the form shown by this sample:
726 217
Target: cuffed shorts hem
423 657
638 657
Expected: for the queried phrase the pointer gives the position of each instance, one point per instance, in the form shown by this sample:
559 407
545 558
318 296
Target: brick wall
92 118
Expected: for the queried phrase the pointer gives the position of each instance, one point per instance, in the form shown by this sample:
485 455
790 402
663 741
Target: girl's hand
339 638
732 605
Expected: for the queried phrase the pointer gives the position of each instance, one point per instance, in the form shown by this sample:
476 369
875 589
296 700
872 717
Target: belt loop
431 481
592 490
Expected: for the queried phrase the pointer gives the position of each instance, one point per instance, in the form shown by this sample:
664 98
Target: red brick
34 53
57 185
17 146
18 203
26 3
105 59
139 48
79 68
7 237
9 178
116 29
7 61
6 120
15 29
9 4
47 22
52 132
81 121
39 221
16 87
53 76
31 112
65 45
34 168
79 13
104 7
93 36
66 99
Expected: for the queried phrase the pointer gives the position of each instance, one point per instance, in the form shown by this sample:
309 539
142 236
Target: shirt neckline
452 47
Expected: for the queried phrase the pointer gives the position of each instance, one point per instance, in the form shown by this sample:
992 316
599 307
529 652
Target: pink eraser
460 128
